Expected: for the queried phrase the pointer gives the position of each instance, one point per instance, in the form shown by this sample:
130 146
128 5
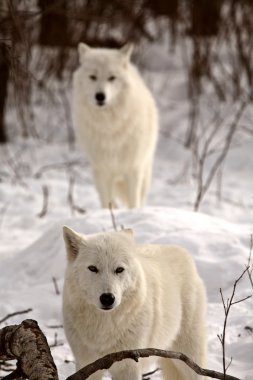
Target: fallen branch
107 361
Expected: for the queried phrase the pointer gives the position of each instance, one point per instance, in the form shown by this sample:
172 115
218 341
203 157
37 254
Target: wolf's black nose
100 96
107 299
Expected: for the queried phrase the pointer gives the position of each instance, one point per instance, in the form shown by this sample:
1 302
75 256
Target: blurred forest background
38 40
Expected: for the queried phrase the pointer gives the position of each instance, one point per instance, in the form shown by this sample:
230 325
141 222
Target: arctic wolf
119 295
116 123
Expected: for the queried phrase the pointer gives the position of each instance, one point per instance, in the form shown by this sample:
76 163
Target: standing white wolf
116 123
119 295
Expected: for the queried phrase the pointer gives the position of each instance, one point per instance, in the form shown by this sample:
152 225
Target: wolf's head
103 73
102 266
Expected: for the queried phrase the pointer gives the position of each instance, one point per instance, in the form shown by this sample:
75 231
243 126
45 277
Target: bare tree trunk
53 23
54 29
205 17
4 77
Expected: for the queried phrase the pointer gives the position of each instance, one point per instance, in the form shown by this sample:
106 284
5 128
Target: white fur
119 137
159 302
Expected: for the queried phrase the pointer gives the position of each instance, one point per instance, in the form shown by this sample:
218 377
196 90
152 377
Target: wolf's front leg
104 185
134 187
127 370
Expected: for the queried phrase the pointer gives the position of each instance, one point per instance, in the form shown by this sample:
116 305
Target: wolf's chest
101 336
107 148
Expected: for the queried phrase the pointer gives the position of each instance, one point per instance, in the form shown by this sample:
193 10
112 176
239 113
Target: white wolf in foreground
119 295
116 123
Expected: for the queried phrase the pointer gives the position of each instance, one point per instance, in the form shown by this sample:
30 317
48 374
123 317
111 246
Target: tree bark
27 343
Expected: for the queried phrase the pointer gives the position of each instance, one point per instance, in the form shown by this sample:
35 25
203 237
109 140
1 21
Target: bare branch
57 291
249 261
223 302
243 299
44 209
222 337
56 343
229 364
107 361
57 166
145 375
203 186
14 314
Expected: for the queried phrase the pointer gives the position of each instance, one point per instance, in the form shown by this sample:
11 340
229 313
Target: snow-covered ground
218 236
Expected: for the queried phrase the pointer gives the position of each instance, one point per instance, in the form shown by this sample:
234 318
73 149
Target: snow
218 236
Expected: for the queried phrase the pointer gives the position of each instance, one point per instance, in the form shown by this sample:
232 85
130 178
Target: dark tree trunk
205 17
4 77
163 7
54 31
54 23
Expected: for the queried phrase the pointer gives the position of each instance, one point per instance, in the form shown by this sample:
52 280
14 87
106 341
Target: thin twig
250 266
243 299
57 166
56 343
222 337
57 291
229 364
145 375
45 192
14 314
203 187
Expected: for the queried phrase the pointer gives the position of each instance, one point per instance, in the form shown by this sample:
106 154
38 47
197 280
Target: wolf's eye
111 78
119 270
92 268
93 77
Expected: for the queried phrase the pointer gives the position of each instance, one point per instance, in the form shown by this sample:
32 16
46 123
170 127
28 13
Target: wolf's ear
127 231
127 50
83 49
72 242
